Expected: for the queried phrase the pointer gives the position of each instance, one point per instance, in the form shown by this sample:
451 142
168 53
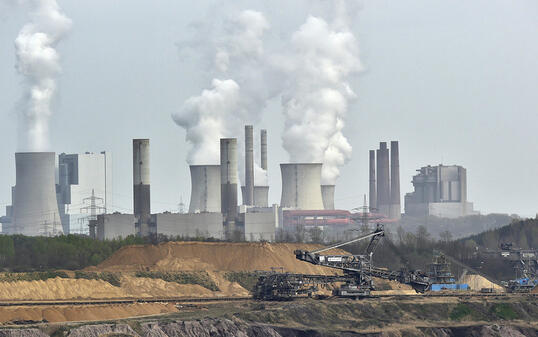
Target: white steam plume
39 62
315 104
237 94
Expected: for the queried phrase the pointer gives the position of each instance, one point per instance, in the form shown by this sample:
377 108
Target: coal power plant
43 206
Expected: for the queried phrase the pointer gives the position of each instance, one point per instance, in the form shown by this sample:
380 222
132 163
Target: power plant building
439 191
301 186
84 189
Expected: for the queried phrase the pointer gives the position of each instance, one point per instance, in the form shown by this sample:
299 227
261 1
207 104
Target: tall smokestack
373 190
205 188
327 194
228 180
263 142
383 177
142 210
35 207
301 186
249 165
395 207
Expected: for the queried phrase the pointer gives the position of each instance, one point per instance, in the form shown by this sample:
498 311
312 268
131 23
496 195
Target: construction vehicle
358 271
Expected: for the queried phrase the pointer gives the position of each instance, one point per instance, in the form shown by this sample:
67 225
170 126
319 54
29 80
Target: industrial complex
73 196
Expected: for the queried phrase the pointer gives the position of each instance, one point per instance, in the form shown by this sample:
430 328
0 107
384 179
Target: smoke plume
38 61
315 104
237 94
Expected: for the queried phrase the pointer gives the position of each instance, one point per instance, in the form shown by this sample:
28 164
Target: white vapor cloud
38 61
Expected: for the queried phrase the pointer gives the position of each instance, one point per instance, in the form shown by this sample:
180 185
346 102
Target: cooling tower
383 177
35 206
395 207
301 186
228 180
373 191
261 196
263 152
141 187
248 197
205 188
327 194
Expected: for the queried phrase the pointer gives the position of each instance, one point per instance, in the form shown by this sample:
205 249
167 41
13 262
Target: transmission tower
92 209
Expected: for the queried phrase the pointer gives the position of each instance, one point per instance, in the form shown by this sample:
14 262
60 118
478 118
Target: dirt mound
213 256
477 282
59 288
82 313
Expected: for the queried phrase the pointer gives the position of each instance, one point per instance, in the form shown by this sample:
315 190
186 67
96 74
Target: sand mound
82 313
477 282
59 288
212 256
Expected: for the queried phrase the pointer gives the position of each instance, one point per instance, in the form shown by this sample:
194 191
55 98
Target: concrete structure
263 145
384 180
141 186
327 194
395 211
115 226
228 180
248 196
35 207
205 189
372 183
301 186
260 226
201 225
439 191
261 196
7 220
80 175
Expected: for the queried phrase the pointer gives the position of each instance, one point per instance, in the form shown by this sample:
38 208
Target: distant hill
523 234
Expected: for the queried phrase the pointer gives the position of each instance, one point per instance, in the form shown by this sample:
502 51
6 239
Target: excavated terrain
387 317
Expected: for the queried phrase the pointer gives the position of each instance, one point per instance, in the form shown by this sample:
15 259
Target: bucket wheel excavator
356 278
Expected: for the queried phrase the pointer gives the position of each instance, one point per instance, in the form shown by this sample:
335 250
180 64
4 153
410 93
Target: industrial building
384 180
84 189
439 191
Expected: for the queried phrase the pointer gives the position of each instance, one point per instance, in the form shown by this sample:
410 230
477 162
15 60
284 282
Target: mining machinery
356 278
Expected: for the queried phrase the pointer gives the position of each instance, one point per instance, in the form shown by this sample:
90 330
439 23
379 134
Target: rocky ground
440 317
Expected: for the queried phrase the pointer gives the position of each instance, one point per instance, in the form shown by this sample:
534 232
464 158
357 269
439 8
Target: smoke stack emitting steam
39 62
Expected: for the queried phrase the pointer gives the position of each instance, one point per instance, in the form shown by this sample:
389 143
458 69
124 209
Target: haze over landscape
455 82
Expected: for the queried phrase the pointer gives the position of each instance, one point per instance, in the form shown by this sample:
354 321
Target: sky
455 82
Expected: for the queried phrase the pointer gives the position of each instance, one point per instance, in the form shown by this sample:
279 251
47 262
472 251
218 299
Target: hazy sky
456 82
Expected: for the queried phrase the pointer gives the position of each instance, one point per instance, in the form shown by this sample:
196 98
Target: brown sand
213 256
83 313
477 282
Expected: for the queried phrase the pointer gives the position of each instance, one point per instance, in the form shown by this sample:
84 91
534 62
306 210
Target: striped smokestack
373 190
249 165
141 186
395 207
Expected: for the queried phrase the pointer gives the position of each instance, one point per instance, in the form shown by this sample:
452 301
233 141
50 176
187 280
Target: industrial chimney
373 190
141 190
301 186
228 180
327 194
383 177
35 208
249 166
395 207
263 152
205 188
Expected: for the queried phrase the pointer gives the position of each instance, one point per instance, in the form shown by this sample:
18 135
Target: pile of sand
213 256
82 313
59 288
477 282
